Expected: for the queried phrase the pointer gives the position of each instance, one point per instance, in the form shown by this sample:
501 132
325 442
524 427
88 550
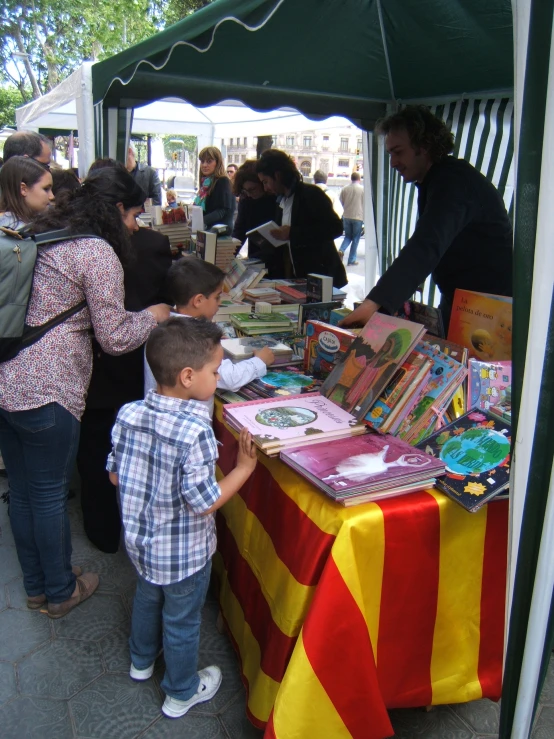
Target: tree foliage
10 99
42 41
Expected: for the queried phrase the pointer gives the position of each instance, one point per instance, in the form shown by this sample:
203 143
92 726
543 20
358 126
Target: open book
261 236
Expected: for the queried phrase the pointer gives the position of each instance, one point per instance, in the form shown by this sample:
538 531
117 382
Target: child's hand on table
246 458
265 354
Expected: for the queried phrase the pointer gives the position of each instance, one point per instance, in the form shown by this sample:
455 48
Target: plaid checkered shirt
164 452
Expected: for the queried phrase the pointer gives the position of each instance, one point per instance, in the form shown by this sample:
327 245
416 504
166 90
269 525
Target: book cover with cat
364 463
482 323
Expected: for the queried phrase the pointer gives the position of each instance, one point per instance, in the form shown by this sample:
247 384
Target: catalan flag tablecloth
339 614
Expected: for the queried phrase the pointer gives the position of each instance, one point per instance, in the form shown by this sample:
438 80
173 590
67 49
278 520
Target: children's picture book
316 312
427 315
405 384
482 323
373 463
489 383
319 288
476 452
337 314
324 347
277 423
283 382
370 362
446 374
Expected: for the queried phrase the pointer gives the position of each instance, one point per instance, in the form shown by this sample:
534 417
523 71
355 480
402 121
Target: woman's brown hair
14 172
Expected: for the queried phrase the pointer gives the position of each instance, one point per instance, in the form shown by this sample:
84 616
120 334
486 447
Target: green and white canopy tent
360 59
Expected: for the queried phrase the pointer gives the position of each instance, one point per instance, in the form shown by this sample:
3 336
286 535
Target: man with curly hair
463 236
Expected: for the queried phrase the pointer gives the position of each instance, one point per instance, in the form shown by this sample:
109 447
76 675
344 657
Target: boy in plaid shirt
163 459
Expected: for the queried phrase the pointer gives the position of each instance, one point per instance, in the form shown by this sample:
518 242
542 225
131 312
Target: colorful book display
316 312
489 383
476 452
482 323
370 467
445 376
277 423
280 382
325 345
370 362
399 396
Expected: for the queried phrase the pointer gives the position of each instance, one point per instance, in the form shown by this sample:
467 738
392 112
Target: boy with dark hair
163 459
195 287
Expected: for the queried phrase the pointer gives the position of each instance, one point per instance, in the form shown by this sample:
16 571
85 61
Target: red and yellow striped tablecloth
338 614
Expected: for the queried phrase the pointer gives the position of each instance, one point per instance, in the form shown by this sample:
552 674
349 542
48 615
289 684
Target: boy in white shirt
196 287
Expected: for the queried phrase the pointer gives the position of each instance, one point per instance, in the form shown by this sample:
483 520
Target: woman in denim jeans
43 389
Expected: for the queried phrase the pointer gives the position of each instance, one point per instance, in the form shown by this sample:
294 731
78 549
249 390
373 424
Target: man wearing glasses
29 144
231 171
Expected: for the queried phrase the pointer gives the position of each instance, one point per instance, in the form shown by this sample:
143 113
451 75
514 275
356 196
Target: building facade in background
337 151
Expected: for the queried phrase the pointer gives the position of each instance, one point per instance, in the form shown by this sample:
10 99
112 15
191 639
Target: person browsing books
255 208
306 217
196 288
214 195
463 237
163 460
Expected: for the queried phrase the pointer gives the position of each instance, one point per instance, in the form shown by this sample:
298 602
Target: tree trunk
264 143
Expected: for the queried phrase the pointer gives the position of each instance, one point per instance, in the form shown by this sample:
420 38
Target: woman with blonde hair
215 195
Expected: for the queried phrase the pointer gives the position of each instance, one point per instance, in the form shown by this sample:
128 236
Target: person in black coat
306 217
215 195
463 236
117 380
145 176
255 208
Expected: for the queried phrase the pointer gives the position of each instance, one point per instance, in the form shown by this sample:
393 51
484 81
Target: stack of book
400 395
278 382
277 423
242 274
239 349
254 324
219 251
446 376
370 362
367 468
476 452
291 291
227 306
316 312
265 294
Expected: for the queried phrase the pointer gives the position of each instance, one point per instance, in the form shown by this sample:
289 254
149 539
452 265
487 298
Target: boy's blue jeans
176 610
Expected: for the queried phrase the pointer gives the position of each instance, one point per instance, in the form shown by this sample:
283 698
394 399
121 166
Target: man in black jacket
145 176
463 236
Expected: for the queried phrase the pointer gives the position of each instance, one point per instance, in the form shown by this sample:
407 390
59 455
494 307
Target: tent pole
371 243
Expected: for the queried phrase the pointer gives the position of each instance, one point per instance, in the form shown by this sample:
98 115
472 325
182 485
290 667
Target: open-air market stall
360 58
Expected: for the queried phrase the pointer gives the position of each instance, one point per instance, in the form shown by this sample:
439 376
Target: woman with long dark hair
43 389
306 217
215 196
25 191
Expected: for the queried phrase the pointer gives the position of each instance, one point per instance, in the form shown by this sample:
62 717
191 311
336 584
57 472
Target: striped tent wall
483 133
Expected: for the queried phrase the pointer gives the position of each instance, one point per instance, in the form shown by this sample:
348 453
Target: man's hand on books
361 315
160 311
246 458
282 233
265 354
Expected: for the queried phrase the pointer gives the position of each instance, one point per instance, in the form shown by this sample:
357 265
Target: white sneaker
145 674
210 680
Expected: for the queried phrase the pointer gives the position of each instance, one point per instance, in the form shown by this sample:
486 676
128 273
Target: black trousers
99 501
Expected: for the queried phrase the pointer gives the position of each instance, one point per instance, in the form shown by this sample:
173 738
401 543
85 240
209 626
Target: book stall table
338 614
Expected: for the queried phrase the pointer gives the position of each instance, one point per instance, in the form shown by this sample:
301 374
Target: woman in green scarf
215 195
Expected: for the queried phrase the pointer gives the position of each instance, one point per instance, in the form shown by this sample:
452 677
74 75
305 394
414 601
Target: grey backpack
18 254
